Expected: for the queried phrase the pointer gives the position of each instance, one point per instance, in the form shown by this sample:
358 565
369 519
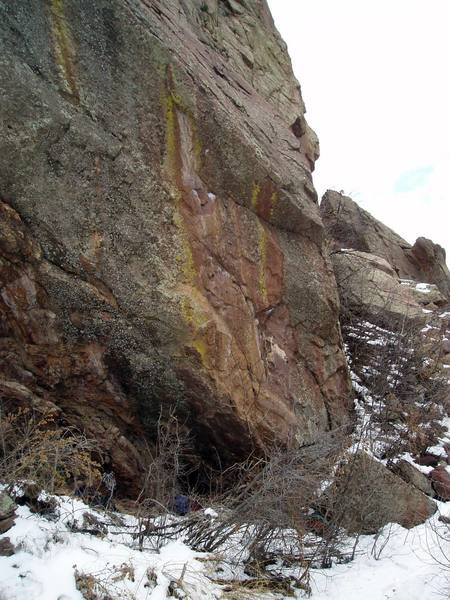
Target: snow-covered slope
55 555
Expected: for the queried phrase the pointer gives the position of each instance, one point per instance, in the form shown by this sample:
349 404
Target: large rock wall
161 238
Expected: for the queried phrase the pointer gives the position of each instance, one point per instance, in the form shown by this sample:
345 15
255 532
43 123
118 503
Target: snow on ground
424 287
396 565
408 568
49 554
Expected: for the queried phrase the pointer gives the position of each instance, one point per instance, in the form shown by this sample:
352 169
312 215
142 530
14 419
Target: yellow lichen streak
172 103
262 255
263 200
193 306
194 316
200 346
63 48
173 107
185 258
273 202
170 130
255 194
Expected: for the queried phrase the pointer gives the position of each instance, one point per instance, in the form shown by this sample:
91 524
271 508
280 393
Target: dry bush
439 550
165 466
402 373
267 513
264 511
252 589
36 448
103 585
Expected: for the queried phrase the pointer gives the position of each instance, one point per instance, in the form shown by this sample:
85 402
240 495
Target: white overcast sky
375 78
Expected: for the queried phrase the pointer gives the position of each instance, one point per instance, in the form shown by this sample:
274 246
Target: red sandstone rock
427 459
440 479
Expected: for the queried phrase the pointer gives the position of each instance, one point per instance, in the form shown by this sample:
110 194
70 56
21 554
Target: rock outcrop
351 227
440 480
161 242
426 294
370 289
7 512
368 496
409 473
431 264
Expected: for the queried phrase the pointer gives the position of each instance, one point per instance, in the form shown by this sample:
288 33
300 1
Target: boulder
6 524
6 547
427 459
7 512
93 525
431 264
7 505
351 227
440 480
369 288
447 450
412 475
445 319
31 495
161 244
366 496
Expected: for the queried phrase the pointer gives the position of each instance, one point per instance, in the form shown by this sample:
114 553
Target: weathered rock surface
6 547
426 294
432 266
440 479
369 288
351 227
161 242
412 475
370 496
7 512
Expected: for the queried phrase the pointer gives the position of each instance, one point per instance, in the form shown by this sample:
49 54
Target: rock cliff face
351 227
161 242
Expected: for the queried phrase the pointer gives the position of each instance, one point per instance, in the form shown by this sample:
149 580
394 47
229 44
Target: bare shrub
165 468
165 464
34 447
399 383
267 513
266 518
438 545
104 585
